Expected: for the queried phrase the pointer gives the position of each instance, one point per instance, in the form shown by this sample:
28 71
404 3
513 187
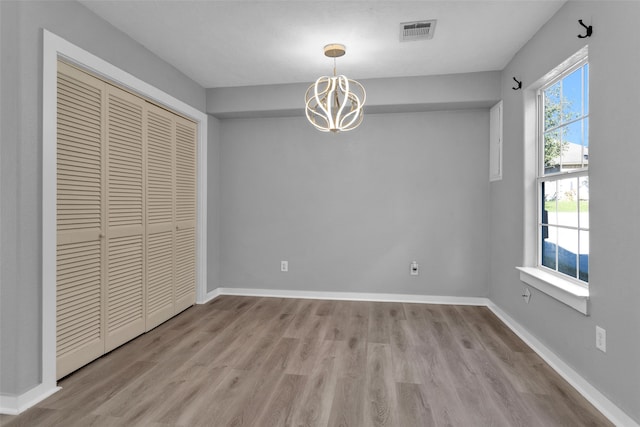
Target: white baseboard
352 296
597 399
14 405
209 296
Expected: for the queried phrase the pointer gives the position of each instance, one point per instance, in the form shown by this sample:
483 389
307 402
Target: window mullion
557 230
568 227
578 249
540 136
563 175
539 172
567 123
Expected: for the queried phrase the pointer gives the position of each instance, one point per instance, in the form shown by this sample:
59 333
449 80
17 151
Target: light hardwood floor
248 361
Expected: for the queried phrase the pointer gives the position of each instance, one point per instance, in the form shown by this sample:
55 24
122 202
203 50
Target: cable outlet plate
526 295
601 339
414 268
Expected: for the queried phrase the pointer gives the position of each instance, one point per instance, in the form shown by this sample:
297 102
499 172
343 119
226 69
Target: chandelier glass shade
334 104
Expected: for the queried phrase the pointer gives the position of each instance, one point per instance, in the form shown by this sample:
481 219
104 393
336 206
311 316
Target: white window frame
557 176
564 288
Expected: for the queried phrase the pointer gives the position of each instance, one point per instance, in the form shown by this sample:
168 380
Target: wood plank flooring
248 361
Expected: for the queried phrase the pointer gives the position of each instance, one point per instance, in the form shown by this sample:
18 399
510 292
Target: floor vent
418 30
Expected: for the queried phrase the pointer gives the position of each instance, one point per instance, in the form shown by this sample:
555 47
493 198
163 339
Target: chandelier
334 104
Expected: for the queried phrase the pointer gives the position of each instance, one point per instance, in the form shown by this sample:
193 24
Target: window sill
565 291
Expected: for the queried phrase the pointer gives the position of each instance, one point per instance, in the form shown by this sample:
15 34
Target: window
563 174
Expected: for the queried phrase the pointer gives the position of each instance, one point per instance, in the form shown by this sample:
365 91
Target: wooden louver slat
79 297
90 257
160 267
126 210
125 308
159 169
185 242
124 161
185 171
160 215
185 262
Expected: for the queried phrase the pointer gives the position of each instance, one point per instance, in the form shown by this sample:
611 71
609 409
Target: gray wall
351 211
406 94
615 205
21 159
213 204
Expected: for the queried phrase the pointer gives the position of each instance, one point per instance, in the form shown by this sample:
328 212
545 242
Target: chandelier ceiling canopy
334 104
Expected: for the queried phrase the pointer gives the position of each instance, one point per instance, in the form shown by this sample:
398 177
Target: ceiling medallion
334 104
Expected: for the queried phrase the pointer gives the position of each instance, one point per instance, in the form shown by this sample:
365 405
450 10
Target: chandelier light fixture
334 104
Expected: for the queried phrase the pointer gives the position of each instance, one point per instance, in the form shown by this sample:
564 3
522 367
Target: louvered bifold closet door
125 314
160 215
80 213
185 240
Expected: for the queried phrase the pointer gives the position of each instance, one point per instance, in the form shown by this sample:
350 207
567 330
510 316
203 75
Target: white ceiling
243 43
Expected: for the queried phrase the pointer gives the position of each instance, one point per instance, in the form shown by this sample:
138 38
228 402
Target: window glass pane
567 202
586 89
552 107
583 196
549 207
571 96
564 214
549 247
574 147
552 150
567 251
584 256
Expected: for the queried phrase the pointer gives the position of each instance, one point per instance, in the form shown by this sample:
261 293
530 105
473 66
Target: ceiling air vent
418 30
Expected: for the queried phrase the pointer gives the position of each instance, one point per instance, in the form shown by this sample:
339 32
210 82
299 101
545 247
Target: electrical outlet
414 269
526 295
284 266
601 339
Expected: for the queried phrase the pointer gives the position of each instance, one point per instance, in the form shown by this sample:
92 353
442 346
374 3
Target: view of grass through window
566 206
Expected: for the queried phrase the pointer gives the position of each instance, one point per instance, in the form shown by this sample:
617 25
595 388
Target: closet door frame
54 48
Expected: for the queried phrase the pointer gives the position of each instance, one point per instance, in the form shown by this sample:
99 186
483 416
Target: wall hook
519 83
588 28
